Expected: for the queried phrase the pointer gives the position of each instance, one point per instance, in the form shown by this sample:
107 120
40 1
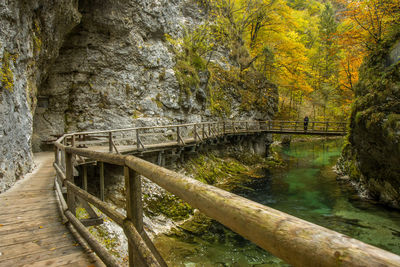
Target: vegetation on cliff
6 74
310 50
371 156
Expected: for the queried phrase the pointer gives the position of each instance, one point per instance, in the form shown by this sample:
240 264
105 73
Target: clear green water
306 189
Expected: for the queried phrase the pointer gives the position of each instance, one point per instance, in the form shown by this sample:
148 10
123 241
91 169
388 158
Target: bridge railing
312 127
296 241
193 132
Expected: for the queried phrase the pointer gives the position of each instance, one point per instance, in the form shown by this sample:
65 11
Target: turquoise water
307 189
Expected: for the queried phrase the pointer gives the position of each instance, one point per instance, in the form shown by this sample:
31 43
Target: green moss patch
6 74
168 205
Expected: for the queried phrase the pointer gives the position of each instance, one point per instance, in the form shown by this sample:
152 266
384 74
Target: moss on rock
6 74
168 205
371 157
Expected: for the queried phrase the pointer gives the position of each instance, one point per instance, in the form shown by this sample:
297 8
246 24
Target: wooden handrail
296 241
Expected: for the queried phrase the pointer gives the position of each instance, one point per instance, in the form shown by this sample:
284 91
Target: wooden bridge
298 242
155 138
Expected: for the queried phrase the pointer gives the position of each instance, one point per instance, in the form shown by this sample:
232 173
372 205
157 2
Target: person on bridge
306 123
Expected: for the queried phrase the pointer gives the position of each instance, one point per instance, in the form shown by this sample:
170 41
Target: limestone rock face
371 158
115 70
31 33
84 65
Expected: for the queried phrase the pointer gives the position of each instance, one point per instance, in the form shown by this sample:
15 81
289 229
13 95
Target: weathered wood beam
115 147
85 178
111 158
110 142
140 245
101 180
69 175
134 213
62 205
104 207
91 221
103 254
88 208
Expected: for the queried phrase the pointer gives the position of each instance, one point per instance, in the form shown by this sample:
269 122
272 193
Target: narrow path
31 231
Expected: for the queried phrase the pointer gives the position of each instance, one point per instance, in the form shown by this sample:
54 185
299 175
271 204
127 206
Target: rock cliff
371 158
31 34
80 65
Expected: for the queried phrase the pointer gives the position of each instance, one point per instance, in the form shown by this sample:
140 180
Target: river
307 189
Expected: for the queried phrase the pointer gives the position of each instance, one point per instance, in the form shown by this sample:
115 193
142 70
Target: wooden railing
296 241
140 137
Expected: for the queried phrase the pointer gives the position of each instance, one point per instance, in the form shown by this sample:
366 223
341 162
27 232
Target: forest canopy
311 50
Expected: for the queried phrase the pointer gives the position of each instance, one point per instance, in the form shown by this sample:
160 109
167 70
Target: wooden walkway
297 242
159 138
31 231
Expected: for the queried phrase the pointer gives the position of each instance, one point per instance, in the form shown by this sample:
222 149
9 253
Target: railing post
102 180
247 126
209 130
281 125
327 126
69 174
85 177
223 127
195 132
203 133
137 139
73 140
313 126
178 135
295 126
110 144
63 159
134 211
56 159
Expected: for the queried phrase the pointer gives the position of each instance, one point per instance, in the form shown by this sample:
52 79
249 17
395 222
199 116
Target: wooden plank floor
31 232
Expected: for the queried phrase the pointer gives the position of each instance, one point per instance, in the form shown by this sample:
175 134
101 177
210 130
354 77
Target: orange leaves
370 20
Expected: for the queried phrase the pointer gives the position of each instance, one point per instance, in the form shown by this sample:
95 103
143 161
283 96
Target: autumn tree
325 61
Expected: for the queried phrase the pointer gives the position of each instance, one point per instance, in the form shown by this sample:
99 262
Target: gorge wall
82 65
31 34
371 158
